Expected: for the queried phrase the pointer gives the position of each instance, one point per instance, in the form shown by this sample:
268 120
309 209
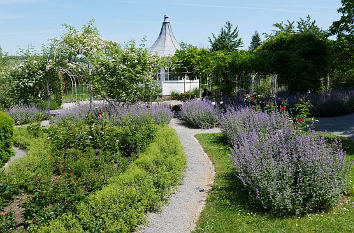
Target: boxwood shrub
6 137
122 204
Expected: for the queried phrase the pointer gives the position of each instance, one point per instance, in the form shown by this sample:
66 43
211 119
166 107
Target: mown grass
228 209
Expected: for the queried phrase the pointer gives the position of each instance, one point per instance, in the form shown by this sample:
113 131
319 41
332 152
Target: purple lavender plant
200 113
235 122
288 173
23 114
161 113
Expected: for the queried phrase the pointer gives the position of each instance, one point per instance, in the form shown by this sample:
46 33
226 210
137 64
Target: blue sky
24 22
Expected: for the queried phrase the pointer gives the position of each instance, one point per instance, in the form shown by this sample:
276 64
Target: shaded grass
228 209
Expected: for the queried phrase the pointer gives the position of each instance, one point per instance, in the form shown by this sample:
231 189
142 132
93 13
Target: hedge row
6 137
122 204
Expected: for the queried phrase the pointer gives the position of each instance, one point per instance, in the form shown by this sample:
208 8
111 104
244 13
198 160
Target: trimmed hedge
122 204
6 137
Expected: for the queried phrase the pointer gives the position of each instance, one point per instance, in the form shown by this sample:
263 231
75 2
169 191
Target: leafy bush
200 113
6 137
24 114
331 108
326 104
121 205
100 134
186 95
288 173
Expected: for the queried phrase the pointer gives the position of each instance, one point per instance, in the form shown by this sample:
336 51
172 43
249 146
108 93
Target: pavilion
166 46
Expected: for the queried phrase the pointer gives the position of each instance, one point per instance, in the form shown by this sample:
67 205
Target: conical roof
166 44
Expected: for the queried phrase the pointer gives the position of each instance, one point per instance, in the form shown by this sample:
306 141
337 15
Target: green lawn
227 208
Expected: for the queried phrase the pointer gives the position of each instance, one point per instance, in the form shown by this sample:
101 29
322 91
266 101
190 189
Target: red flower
300 120
283 108
86 163
266 103
85 153
82 158
105 110
70 174
2 213
50 159
60 161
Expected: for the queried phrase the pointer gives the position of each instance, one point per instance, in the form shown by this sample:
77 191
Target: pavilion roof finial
166 20
166 44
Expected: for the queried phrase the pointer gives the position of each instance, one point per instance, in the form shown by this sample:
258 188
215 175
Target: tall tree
344 26
343 62
303 25
227 40
256 41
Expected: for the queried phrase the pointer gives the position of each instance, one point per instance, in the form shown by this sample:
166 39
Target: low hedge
6 137
122 204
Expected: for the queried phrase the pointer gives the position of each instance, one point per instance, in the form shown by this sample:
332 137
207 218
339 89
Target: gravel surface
18 154
184 207
341 126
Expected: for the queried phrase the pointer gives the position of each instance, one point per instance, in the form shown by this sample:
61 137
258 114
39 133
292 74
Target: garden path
18 153
185 205
341 126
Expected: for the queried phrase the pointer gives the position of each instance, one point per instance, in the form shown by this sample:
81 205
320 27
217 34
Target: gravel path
18 153
182 212
341 126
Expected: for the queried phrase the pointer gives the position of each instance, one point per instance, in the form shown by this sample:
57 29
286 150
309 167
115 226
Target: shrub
161 113
326 104
235 122
99 134
200 113
186 95
24 114
121 205
6 137
331 108
288 173
119 114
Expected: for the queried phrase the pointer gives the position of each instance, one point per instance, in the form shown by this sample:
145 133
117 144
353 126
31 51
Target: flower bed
71 160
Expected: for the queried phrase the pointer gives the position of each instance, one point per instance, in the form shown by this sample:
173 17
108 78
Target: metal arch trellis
73 83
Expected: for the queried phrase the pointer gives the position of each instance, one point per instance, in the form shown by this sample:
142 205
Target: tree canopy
227 40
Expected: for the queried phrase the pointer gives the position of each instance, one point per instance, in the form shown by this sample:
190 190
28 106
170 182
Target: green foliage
255 42
300 60
186 95
7 222
227 39
345 25
301 115
6 137
121 205
126 74
343 63
33 80
303 26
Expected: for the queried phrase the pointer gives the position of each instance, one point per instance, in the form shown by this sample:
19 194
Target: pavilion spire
166 43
